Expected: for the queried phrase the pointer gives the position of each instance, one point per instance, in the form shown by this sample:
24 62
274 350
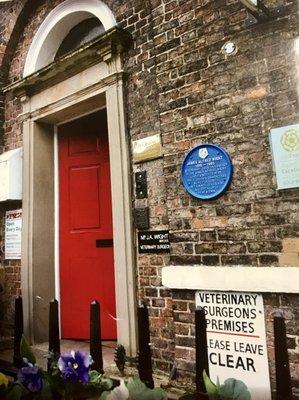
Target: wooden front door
86 235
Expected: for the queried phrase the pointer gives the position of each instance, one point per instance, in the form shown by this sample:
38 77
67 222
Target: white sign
237 339
285 150
13 231
11 175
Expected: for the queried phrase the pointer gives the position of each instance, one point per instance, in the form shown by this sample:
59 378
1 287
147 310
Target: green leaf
233 389
46 392
106 383
97 379
135 387
26 351
104 395
139 391
119 393
15 393
211 388
154 394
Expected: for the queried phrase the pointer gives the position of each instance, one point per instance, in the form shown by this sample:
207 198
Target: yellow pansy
3 380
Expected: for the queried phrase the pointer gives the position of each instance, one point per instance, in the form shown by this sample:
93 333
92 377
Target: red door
86 247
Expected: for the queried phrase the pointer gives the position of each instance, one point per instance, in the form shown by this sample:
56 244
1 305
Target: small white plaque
13 233
285 150
236 338
147 148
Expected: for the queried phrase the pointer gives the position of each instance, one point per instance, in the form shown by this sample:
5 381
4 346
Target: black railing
7 367
95 337
54 341
145 369
282 367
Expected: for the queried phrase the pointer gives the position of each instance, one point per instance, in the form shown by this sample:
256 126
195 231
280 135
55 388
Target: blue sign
206 171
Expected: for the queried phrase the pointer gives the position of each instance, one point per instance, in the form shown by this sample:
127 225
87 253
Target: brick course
181 85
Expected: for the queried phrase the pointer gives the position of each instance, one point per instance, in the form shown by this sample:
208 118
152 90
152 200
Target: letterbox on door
11 175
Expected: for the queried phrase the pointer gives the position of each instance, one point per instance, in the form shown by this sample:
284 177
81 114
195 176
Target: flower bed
70 377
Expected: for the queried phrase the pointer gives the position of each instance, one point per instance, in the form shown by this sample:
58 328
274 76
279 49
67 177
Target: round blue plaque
207 171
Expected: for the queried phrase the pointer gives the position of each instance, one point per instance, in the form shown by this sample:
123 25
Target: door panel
86 270
84 184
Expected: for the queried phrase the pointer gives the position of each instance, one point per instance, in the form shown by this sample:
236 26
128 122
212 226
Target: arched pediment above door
58 24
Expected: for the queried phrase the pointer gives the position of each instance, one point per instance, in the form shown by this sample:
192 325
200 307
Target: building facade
82 82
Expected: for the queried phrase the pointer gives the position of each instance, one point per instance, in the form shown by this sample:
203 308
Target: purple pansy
30 377
74 366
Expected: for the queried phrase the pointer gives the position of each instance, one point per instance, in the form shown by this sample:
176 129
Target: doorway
45 112
85 226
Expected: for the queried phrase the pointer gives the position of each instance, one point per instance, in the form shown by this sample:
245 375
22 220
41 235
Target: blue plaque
206 171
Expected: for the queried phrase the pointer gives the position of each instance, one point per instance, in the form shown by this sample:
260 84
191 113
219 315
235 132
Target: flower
74 366
3 380
31 378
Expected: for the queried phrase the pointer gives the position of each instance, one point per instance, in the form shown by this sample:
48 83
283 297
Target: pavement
41 351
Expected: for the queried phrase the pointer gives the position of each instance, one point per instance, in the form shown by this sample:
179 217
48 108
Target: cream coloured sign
285 150
147 148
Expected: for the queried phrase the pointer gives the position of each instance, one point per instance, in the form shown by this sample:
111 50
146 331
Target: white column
26 272
122 224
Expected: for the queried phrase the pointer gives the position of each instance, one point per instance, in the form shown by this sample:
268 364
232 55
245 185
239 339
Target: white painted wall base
240 279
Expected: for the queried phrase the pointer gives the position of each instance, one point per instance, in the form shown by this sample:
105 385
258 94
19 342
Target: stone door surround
86 80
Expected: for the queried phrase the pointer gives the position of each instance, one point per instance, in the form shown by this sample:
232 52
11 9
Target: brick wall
9 270
181 85
204 96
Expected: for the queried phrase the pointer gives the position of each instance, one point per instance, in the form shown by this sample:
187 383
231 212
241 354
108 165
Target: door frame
42 111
